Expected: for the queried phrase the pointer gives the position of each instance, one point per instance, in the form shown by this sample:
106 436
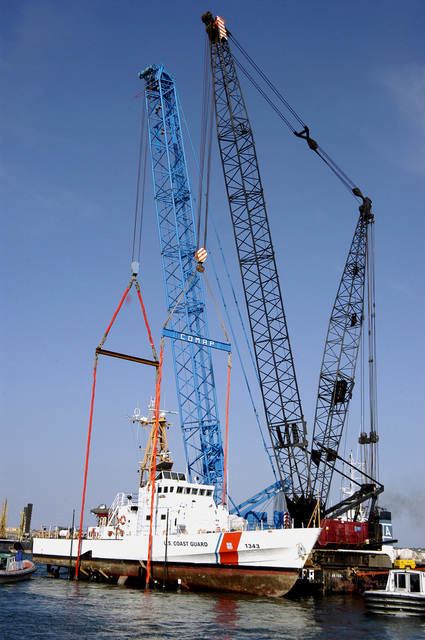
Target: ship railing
120 500
260 526
59 533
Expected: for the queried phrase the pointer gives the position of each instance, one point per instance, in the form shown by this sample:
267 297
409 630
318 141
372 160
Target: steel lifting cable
207 130
374 469
206 149
204 126
209 146
248 344
146 320
98 351
142 147
179 298
305 132
201 269
229 368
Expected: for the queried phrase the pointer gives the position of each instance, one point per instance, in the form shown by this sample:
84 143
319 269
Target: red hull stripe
228 551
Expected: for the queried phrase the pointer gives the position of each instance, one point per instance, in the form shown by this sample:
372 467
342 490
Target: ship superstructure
194 542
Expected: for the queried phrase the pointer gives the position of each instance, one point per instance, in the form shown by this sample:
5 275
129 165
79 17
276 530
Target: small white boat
404 594
13 568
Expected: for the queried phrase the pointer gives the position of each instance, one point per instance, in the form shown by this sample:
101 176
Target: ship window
165 489
414 583
201 492
163 516
171 489
159 489
187 490
194 492
209 492
179 489
401 581
148 517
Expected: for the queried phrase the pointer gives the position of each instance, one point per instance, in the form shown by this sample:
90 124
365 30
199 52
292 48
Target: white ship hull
264 562
194 541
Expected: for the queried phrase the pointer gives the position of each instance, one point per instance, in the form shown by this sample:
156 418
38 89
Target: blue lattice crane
187 323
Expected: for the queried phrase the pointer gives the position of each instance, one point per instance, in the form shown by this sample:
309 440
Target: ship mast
163 456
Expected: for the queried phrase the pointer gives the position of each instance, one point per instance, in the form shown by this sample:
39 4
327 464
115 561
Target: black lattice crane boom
260 279
341 351
305 475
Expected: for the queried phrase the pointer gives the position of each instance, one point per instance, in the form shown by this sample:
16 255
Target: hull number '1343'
252 545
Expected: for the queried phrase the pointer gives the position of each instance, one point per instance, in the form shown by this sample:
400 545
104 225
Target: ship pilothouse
180 507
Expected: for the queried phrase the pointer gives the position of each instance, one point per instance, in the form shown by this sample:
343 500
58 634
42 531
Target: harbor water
48 608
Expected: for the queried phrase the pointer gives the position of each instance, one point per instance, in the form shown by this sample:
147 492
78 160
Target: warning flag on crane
201 255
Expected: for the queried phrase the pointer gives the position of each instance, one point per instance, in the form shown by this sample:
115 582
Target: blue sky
70 126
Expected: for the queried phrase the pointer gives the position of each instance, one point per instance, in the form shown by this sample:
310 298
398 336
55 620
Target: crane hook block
305 133
201 255
358 193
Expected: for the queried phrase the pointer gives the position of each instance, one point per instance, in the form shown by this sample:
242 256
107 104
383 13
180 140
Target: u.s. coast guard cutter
194 542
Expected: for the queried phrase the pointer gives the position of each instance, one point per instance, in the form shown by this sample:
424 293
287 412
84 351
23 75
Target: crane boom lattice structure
258 269
185 299
336 380
305 476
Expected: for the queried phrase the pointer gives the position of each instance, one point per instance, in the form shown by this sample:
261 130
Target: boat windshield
414 583
401 580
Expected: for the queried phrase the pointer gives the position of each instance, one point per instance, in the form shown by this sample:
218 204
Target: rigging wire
370 257
225 306
350 185
137 229
362 393
346 181
206 133
305 133
97 352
